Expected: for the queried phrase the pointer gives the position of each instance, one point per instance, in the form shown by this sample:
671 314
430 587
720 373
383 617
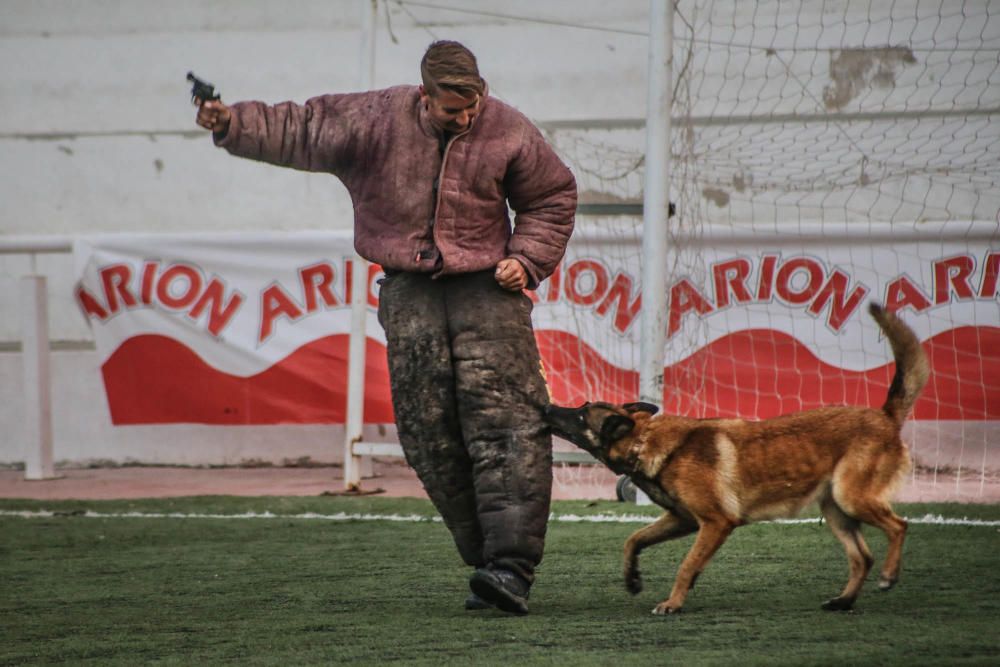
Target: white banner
227 329
253 328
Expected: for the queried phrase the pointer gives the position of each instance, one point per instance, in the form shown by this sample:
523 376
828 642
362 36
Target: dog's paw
633 582
886 583
664 609
838 604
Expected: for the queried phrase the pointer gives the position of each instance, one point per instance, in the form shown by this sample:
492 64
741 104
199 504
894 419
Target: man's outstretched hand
213 115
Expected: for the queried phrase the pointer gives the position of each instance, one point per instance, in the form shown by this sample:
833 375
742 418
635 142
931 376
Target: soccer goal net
824 154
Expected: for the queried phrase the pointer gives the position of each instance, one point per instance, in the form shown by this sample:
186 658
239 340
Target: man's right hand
213 115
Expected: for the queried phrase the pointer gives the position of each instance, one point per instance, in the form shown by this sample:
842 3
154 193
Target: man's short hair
448 65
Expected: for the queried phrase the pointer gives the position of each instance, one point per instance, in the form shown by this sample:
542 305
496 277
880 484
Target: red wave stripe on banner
762 373
756 374
153 379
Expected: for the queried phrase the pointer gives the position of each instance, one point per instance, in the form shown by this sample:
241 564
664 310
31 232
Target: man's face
450 111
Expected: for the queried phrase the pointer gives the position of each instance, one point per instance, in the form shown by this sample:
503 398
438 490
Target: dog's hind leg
667 527
879 514
711 536
859 556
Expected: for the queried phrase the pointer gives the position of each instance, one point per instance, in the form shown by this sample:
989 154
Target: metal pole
354 426
656 200
37 379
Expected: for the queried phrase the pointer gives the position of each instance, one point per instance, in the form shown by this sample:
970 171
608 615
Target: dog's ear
615 428
633 408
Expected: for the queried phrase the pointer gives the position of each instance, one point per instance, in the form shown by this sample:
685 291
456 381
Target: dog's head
597 427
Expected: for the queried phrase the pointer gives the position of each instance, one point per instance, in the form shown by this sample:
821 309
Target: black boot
504 589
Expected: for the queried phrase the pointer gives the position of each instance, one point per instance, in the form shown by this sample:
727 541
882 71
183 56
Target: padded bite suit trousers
468 396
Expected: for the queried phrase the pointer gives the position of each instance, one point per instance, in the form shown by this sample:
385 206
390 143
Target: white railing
37 420
35 343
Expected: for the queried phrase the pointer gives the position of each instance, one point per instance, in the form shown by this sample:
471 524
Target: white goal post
822 154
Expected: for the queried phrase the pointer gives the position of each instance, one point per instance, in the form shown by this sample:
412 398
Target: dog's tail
912 368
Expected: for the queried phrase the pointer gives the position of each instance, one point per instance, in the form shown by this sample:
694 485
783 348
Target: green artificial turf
281 586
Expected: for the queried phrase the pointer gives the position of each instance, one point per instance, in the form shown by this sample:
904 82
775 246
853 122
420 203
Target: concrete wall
97 135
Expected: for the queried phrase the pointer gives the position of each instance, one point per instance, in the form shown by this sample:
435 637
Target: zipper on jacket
443 150
437 191
444 162
437 182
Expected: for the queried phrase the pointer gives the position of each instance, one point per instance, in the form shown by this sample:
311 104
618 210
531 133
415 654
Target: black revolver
201 90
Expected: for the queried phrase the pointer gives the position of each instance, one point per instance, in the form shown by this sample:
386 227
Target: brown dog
713 475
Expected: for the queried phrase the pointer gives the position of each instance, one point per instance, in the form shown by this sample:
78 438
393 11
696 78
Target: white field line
929 519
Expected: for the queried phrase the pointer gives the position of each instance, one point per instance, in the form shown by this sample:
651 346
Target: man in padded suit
431 170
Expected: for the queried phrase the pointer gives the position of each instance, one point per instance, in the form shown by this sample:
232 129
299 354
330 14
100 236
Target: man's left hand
511 275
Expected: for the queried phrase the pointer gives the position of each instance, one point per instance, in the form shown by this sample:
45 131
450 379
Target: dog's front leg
711 535
667 527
